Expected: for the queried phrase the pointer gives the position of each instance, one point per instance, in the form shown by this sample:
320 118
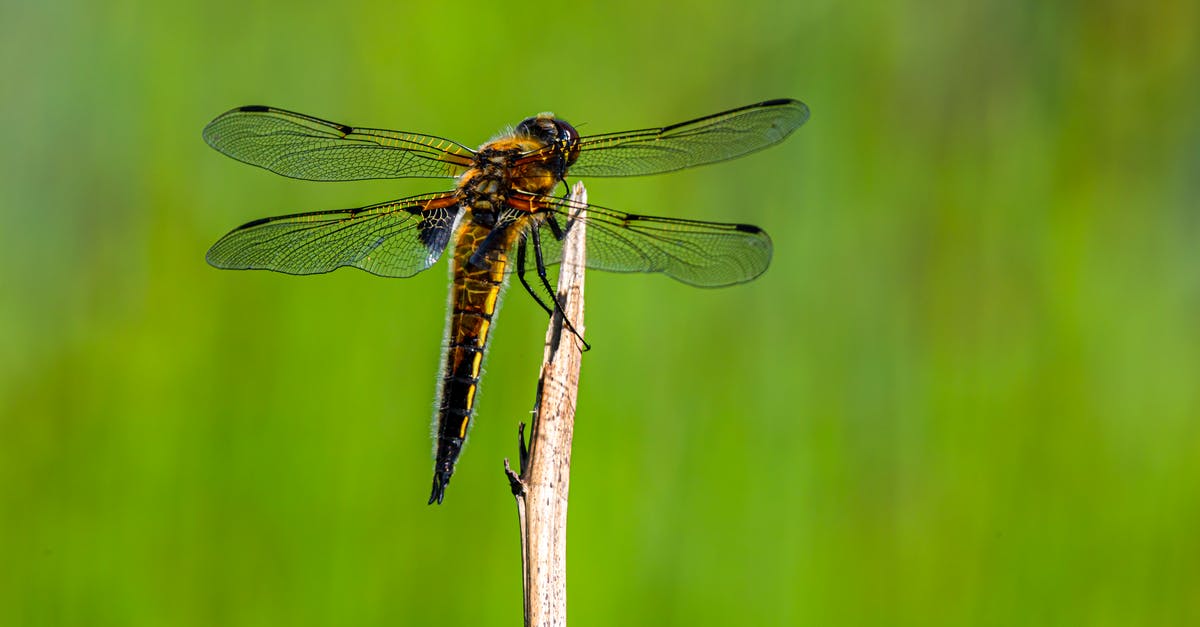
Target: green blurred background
965 393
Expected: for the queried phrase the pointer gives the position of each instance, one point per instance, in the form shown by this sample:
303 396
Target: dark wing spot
747 228
254 108
433 233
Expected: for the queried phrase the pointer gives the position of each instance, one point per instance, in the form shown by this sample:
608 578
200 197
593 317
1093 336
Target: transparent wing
705 140
304 147
704 254
394 239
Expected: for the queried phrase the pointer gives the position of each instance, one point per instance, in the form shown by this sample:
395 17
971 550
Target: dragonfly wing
304 147
709 139
393 239
704 254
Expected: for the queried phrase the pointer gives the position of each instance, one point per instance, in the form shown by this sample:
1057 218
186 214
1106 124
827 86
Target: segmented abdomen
478 279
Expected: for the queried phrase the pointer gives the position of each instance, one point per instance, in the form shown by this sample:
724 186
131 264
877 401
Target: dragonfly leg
541 271
555 229
521 275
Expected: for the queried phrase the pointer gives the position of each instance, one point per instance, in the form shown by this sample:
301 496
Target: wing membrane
704 254
709 139
304 147
393 239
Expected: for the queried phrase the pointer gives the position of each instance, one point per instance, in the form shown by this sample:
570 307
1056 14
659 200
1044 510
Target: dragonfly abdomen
478 280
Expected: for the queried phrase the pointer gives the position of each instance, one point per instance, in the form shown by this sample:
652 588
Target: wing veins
706 254
701 141
301 146
321 241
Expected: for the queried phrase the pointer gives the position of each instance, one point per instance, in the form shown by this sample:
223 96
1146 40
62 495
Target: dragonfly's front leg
521 276
541 270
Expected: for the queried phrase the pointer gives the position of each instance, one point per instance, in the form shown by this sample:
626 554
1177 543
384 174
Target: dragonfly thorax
512 165
485 188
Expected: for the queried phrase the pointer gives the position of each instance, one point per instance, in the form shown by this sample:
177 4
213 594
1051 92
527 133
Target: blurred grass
965 393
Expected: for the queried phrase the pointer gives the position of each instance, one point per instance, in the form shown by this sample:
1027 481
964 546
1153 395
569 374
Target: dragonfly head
558 135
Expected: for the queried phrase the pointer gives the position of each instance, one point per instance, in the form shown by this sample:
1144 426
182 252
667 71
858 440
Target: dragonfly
501 213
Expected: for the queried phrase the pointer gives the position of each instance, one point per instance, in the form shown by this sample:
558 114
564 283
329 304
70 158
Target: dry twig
542 487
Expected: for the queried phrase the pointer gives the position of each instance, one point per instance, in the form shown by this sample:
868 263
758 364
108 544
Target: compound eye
570 141
566 132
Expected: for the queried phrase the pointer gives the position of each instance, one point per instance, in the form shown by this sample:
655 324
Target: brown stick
541 489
